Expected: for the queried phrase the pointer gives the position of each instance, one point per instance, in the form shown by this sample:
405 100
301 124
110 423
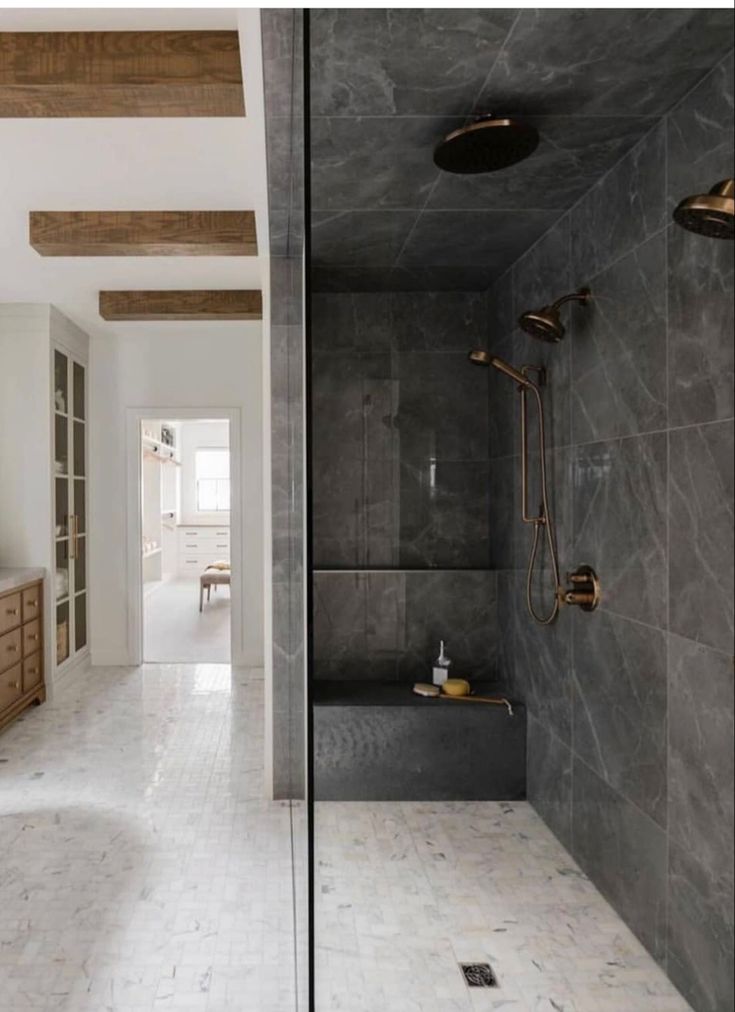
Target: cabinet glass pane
80 565
62 632
80 506
61 445
62 508
79 435
61 382
80 621
78 387
61 575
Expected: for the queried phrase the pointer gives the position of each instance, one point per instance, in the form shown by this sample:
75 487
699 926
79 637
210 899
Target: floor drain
478 975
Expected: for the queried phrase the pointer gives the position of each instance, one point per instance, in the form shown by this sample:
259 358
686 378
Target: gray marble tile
620 522
436 321
700 135
348 320
619 349
701 323
543 667
573 153
624 209
446 277
550 780
340 622
504 405
359 239
443 513
605 62
502 511
491 239
378 62
701 754
701 533
700 946
458 607
375 162
286 308
441 414
541 275
354 401
624 853
506 647
500 319
339 279
620 706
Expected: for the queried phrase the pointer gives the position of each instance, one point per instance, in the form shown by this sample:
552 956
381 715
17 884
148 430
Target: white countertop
10 578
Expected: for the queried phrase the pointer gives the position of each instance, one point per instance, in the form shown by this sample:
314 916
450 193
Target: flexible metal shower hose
547 523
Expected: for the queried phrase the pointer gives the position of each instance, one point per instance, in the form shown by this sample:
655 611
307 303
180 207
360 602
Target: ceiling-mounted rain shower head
711 214
545 324
488 144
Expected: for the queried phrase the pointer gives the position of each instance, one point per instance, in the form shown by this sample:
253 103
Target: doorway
185 500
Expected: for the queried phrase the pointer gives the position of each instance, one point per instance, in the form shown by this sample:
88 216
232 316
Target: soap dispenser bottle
440 671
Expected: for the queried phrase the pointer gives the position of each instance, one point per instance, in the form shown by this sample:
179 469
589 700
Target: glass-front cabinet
70 505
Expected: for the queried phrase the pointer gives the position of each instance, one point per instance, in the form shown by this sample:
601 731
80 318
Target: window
212 474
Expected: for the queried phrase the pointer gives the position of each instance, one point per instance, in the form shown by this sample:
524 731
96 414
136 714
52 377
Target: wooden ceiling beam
220 304
143 233
171 73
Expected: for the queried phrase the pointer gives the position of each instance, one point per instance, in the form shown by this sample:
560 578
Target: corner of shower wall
282 34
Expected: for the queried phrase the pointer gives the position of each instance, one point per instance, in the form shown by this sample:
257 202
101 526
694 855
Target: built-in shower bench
377 741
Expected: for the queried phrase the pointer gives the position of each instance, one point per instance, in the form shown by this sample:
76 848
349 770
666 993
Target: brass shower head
488 144
710 214
545 323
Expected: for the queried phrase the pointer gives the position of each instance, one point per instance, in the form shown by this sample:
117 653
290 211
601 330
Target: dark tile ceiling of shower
387 85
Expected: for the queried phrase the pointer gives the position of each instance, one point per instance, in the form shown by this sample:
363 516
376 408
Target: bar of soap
456 687
426 689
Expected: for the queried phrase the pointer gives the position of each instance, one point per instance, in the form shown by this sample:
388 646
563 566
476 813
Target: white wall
170 369
195 435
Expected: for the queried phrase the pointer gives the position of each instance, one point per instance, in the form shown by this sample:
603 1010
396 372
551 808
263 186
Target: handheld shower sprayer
543 518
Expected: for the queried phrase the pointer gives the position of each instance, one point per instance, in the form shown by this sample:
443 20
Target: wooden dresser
21 645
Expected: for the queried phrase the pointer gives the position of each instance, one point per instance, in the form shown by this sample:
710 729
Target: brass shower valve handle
584 592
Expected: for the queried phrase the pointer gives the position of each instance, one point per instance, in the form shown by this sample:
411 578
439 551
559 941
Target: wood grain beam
221 304
143 233
175 73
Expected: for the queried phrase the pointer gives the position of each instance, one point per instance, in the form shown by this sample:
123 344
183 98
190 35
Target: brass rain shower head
710 214
545 324
488 144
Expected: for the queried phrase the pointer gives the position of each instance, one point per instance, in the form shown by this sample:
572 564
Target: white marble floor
406 891
175 631
141 868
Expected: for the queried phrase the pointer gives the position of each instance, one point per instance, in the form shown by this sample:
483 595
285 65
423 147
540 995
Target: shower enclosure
449 194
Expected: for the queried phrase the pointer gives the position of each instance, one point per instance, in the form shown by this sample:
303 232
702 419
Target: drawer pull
12 648
32 636
13 685
33 671
11 611
33 604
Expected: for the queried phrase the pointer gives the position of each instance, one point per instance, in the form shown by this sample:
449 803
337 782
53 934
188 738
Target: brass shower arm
582 295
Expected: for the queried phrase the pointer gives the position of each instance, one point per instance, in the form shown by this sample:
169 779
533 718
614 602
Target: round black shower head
488 144
710 214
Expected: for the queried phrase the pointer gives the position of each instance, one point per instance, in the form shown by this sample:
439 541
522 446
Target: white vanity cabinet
199 545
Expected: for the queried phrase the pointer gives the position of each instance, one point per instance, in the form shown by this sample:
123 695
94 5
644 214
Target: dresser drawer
31 637
10 615
10 649
32 672
11 686
32 602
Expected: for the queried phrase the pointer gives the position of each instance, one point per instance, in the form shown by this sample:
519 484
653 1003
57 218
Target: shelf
151 553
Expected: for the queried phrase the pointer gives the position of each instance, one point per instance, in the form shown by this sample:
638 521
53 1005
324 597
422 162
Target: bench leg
201 595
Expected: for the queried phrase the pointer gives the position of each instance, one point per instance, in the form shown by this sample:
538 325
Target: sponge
456 687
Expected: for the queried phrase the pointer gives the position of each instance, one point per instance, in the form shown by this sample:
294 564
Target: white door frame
134 443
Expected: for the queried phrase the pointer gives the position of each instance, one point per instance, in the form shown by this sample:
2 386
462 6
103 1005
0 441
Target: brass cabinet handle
32 636
13 685
33 604
11 611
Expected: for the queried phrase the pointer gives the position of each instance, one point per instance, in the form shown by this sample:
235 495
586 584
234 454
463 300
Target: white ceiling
132 164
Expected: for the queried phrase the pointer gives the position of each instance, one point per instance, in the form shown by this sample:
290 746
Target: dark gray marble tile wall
631 709
399 424
282 55
387 626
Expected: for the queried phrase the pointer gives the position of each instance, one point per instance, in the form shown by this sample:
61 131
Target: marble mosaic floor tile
142 868
407 891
